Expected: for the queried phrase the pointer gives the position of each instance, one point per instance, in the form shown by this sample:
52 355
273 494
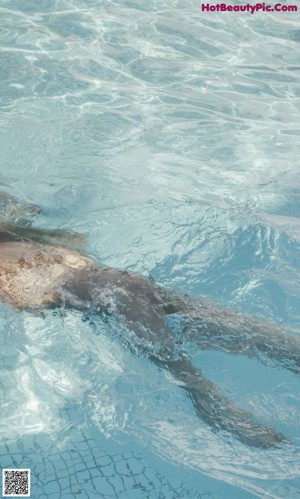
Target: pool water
170 137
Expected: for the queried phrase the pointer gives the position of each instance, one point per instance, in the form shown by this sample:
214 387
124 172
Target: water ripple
171 137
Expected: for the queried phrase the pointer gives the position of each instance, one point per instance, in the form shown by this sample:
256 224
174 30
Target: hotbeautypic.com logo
247 7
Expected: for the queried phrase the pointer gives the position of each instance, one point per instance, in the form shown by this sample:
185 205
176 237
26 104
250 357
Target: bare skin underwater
41 269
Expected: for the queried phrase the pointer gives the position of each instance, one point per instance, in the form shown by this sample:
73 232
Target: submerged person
40 269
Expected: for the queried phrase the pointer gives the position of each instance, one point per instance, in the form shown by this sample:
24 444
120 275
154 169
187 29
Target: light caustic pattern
154 101
170 137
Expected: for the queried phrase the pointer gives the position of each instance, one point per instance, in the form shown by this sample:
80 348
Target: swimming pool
170 137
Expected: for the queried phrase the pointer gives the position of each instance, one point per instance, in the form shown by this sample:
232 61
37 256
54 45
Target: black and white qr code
15 483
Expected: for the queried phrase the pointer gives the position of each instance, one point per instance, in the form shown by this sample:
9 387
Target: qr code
15 483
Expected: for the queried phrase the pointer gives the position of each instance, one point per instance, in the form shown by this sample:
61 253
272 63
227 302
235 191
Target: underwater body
170 139
35 274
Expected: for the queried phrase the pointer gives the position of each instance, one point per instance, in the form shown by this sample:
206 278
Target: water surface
170 137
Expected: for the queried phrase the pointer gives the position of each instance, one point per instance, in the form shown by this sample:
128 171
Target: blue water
171 138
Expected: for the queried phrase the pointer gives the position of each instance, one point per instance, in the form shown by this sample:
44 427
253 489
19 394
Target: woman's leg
216 410
208 326
143 307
